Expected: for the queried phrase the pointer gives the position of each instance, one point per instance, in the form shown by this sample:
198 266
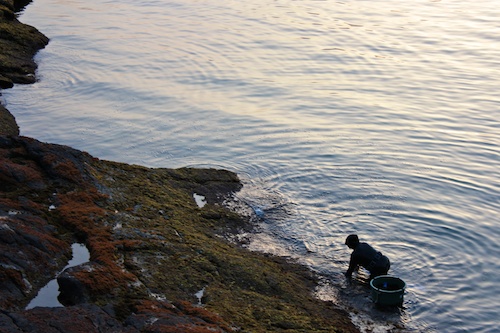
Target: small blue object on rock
387 290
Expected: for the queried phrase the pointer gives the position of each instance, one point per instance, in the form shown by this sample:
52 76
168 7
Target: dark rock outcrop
5 83
72 290
86 318
8 125
19 43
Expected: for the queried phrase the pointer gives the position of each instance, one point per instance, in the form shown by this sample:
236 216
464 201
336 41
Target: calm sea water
377 117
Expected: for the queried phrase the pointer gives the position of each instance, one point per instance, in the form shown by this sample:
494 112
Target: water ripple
379 118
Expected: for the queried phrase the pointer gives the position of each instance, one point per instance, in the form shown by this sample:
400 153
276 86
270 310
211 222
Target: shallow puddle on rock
200 200
199 295
47 296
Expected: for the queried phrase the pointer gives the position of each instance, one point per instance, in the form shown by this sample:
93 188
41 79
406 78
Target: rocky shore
158 261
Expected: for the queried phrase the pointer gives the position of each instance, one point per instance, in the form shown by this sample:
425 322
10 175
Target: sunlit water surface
378 117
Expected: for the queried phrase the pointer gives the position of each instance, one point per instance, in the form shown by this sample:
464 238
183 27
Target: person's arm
352 266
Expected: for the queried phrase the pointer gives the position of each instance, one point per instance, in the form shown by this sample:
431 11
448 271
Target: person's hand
348 279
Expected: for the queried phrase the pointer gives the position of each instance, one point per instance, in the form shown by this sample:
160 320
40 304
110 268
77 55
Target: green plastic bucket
387 290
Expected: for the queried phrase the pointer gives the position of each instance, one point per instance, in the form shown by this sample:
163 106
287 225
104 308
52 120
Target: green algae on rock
8 124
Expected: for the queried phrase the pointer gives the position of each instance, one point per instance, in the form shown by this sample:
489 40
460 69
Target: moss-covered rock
152 247
19 43
8 124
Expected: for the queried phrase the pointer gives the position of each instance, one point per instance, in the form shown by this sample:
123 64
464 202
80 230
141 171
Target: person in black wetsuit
365 255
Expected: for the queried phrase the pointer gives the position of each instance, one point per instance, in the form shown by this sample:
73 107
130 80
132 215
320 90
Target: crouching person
366 256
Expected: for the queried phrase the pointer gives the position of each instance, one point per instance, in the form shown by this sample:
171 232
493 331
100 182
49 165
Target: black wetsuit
374 261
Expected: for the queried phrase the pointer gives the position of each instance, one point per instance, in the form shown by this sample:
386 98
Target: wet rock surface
158 261
18 45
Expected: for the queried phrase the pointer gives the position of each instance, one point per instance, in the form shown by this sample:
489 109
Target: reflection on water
48 295
375 117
